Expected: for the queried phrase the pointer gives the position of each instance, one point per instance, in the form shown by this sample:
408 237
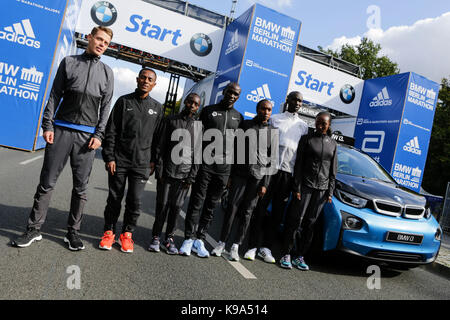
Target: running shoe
186 247
107 241
26 239
169 246
250 254
73 240
199 248
217 251
234 252
300 264
126 243
266 255
285 262
154 246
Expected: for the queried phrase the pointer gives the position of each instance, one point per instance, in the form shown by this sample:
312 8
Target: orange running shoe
107 240
126 243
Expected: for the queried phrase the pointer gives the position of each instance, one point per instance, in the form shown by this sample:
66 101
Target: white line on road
235 264
31 160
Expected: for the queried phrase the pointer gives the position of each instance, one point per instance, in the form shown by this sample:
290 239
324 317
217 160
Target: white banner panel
325 86
140 25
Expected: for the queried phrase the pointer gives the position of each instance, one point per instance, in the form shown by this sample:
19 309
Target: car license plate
404 237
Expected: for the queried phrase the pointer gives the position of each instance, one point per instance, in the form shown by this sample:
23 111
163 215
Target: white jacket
291 128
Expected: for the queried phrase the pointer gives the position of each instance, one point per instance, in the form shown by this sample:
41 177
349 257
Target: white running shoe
266 255
217 251
250 254
234 252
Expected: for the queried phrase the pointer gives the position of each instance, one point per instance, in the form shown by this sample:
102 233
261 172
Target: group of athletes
138 141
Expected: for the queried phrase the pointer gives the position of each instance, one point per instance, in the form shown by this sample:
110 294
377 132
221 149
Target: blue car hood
375 189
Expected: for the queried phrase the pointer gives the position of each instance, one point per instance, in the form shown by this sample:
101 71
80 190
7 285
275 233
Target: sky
413 33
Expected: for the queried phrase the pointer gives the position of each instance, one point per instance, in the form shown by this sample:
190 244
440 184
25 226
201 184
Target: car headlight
350 199
350 222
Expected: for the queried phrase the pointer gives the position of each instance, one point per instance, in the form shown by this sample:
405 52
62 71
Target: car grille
387 207
395 209
413 212
396 256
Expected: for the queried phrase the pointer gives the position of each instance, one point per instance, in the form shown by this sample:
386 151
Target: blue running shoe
199 248
186 247
285 262
169 246
300 264
154 246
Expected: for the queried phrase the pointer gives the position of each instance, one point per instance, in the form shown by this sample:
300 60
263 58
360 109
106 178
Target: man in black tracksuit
127 153
214 172
250 177
73 128
175 172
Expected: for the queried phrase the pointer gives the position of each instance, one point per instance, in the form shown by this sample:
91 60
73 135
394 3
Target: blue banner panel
28 34
268 60
231 55
379 117
66 46
415 132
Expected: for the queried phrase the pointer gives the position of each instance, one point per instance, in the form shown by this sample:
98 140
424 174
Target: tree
366 55
437 168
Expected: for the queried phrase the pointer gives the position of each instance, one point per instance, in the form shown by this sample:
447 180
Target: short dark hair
327 114
107 30
148 69
261 102
192 94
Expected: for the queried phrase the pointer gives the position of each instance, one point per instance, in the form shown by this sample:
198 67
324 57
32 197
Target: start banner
150 28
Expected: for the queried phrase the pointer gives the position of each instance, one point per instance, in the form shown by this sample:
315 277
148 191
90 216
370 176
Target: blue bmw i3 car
372 216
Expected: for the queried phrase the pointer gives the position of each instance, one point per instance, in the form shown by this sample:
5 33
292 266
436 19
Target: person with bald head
212 178
263 229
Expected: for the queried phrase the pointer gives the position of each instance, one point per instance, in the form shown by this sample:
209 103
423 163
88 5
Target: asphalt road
48 270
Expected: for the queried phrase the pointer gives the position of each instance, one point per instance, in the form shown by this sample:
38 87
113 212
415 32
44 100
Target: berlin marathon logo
24 84
21 33
274 35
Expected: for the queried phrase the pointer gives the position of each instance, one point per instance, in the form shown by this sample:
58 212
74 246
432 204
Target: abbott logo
412 146
377 138
381 99
21 33
260 93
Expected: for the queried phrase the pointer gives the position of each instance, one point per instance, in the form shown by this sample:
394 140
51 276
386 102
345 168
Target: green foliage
366 55
437 168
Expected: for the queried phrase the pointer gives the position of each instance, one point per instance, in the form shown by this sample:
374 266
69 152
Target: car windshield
356 163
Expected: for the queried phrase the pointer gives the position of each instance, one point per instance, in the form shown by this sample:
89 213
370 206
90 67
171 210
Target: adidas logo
233 44
21 33
260 93
413 146
381 99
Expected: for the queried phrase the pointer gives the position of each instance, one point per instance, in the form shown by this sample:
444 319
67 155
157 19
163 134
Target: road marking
31 160
235 264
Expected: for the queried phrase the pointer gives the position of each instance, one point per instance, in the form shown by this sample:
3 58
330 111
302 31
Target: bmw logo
201 44
347 94
103 13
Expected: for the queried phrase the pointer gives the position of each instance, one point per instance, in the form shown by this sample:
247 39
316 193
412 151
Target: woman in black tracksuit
314 180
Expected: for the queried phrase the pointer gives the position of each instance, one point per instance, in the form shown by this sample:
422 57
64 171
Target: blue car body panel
370 240
373 233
